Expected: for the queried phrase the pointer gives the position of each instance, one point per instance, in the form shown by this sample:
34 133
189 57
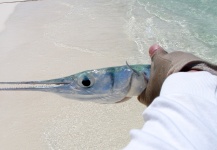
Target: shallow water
54 38
176 25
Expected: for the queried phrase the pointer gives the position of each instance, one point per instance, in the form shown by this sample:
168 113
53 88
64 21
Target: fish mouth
46 85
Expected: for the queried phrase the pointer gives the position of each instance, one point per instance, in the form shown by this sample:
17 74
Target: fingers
153 49
158 73
156 49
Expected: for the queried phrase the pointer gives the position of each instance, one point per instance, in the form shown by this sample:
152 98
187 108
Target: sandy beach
51 39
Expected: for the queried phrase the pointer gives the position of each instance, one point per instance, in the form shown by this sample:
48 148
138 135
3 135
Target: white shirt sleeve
183 117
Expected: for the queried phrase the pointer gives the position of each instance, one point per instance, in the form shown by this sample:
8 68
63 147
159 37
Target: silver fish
106 85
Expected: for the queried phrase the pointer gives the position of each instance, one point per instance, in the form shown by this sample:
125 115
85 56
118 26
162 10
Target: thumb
159 66
153 49
156 49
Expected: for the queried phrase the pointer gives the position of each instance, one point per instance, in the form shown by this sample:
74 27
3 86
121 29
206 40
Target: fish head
108 85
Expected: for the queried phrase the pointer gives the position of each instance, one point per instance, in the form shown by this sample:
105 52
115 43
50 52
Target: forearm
182 117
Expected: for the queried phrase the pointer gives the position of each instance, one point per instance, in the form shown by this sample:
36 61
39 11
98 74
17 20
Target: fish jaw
54 85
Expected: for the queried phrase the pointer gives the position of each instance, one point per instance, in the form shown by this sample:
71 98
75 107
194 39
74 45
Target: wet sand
50 39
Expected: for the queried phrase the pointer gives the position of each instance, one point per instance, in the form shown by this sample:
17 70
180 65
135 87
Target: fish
105 85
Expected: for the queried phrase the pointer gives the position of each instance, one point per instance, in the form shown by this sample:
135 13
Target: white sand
50 39
6 11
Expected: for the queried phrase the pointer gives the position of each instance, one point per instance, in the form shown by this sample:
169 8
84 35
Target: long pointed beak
46 85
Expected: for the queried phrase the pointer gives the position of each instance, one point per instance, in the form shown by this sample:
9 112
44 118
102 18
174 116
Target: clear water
176 25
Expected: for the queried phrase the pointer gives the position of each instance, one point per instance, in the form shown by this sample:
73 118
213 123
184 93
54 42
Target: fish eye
86 81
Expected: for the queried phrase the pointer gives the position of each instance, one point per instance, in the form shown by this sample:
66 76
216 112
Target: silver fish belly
106 85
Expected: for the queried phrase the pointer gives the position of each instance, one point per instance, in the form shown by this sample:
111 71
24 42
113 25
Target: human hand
164 64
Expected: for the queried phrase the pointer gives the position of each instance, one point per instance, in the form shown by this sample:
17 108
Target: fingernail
153 49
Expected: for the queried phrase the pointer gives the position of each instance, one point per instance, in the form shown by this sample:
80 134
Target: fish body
105 85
